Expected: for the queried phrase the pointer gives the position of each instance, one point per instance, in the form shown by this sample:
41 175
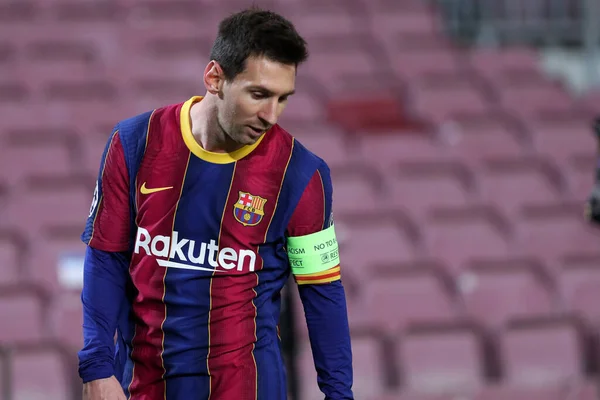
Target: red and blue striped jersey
204 236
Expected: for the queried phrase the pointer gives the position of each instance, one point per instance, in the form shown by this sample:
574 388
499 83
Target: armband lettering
314 253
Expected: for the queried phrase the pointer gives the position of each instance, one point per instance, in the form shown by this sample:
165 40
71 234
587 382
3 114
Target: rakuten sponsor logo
188 254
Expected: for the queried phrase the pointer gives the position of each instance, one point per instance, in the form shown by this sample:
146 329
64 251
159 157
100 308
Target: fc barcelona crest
249 209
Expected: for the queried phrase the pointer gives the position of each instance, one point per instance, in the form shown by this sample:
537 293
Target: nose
269 113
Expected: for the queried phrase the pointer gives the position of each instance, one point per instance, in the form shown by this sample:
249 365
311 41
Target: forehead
274 76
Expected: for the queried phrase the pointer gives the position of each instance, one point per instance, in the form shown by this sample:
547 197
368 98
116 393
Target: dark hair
256 32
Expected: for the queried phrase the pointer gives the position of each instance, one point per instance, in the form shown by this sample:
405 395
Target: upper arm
108 223
311 225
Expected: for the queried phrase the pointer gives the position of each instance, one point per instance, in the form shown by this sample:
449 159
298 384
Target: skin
222 123
256 97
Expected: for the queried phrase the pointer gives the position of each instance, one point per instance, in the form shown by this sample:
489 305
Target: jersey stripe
156 213
233 316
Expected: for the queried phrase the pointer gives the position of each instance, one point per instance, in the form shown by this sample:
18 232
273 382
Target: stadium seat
417 187
369 369
49 201
441 359
534 102
563 138
496 291
444 97
46 150
553 230
502 65
405 296
24 307
579 278
11 254
65 318
574 390
449 229
304 107
476 137
40 373
580 173
540 352
328 142
513 182
357 189
416 63
387 150
55 263
360 233
368 366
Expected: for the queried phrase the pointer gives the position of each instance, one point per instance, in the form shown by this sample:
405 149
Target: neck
206 128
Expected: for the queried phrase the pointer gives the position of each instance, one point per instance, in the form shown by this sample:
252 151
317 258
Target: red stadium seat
357 189
575 390
541 352
417 187
368 366
554 230
11 255
563 138
502 65
459 235
55 261
40 373
359 234
65 317
420 396
495 292
387 150
534 102
441 359
580 174
514 182
47 150
24 307
447 96
48 201
476 137
579 280
404 297
328 143
304 107
417 63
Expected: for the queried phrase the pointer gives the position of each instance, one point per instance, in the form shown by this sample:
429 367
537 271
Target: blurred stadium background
460 138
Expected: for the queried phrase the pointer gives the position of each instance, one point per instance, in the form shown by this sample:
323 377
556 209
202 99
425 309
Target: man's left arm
314 259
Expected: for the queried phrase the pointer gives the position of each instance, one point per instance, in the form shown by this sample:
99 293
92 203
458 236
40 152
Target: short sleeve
108 223
312 216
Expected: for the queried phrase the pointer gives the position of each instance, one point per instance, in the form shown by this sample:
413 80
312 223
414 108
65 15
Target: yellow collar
194 146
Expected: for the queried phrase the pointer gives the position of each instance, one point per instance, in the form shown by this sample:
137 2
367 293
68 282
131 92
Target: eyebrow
269 92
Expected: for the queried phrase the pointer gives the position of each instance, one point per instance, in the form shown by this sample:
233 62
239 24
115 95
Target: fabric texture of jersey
204 238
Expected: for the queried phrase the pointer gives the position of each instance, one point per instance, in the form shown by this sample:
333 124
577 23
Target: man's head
253 71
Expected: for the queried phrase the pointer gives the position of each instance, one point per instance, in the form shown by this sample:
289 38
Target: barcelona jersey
203 236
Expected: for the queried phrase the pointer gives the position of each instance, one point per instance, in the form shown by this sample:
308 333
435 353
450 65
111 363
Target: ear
213 77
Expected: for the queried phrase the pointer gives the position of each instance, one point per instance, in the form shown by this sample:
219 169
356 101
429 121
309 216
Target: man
201 212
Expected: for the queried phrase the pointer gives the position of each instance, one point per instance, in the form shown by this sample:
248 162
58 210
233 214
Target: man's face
253 101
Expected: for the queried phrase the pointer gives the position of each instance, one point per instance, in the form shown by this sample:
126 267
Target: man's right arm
106 265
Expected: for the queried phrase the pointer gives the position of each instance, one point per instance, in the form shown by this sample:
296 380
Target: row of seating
457 359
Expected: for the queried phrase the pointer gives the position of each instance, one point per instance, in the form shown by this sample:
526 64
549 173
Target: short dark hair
256 32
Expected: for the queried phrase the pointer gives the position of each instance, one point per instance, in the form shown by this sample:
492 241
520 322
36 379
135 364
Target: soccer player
202 211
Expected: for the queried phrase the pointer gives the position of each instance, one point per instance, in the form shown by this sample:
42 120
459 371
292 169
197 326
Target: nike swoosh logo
145 190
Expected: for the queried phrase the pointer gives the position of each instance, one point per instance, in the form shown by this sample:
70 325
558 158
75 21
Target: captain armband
314 258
